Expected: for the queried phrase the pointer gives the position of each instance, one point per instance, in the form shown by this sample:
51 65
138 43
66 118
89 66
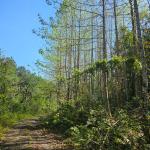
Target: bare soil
27 135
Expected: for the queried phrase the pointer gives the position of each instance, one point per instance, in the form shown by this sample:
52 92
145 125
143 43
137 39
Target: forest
95 83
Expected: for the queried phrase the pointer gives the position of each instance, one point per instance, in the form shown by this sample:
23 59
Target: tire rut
27 135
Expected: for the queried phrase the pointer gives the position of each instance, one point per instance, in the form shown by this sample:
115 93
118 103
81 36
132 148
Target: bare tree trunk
134 51
104 32
78 57
92 54
105 73
133 82
116 28
70 62
144 90
78 54
141 49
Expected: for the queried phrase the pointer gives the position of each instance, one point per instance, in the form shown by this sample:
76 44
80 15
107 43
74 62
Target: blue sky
18 18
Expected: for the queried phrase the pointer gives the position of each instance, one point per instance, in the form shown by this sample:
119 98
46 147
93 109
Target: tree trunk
116 28
105 74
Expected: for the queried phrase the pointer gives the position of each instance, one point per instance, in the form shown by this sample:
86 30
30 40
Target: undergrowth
7 120
91 128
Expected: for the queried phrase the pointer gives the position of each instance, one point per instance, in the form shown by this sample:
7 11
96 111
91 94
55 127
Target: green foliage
76 72
60 78
102 64
116 62
90 128
104 132
113 84
66 116
134 65
90 69
21 93
2 131
7 120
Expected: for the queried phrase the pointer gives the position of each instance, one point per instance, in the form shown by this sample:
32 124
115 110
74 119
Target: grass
9 119
2 131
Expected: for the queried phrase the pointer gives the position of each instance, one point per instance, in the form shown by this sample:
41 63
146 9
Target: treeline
84 32
98 54
22 93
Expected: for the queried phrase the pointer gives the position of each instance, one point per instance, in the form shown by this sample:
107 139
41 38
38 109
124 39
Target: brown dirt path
27 135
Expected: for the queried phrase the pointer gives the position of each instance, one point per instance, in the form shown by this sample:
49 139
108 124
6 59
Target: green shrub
7 120
66 116
104 132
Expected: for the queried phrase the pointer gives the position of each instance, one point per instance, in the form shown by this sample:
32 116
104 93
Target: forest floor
29 135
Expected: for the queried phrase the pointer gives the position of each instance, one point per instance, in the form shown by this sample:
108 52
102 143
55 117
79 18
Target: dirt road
27 135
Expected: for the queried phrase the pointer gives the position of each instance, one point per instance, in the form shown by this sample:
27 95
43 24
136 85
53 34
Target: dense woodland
96 89
22 93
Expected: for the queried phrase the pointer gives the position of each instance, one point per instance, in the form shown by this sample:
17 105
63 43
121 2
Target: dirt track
27 135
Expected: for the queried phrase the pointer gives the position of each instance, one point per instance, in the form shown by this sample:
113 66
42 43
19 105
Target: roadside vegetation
22 94
96 90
